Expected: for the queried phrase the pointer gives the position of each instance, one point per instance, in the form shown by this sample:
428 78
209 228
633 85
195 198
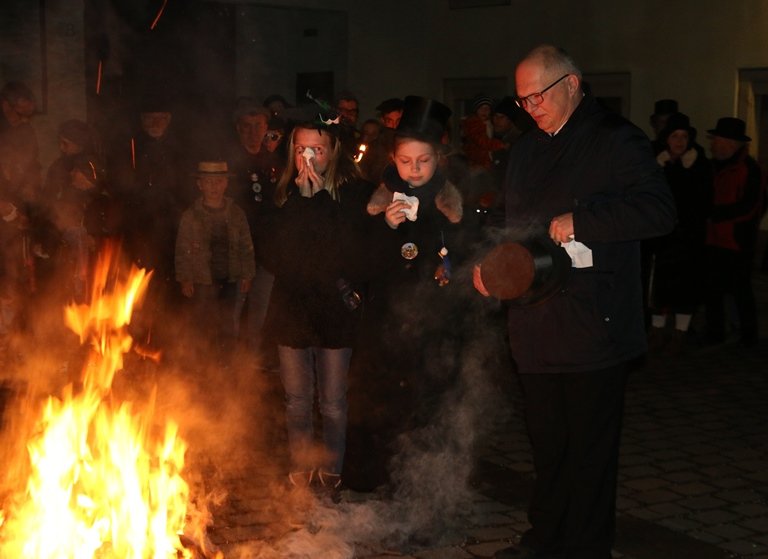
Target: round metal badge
409 251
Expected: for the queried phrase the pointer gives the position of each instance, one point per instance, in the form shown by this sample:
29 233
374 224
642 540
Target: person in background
662 110
737 207
678 258
319 260
20 182
370 131
587 177
256 171
214 258
348 110
148 177
82 214
477 134
390 112
275 104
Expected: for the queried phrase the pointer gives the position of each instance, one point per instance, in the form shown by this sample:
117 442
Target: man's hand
561 228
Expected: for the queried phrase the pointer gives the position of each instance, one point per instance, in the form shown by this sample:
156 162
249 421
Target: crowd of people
334 255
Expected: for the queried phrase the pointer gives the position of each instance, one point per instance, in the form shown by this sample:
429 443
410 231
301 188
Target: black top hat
423 119
665 107
389 105
731 128
678 121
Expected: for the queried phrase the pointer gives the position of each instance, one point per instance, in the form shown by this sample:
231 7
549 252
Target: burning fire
104 481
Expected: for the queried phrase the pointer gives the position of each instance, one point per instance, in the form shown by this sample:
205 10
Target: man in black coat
587 179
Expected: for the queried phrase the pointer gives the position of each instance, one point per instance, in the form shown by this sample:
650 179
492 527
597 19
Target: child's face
213 189
416 161
320 144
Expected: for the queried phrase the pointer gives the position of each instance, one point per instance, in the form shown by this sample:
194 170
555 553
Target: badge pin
409 251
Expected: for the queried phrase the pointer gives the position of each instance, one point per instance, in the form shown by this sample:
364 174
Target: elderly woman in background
678 258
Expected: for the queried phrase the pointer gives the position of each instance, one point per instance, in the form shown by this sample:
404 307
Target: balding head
548 85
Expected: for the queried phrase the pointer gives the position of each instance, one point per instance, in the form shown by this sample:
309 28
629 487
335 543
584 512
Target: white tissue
308 154
412 201
581 254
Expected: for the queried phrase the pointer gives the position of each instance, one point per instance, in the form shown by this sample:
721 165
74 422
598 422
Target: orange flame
103 483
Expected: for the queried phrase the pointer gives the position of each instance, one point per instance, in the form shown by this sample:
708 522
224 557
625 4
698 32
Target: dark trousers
574 423
730 272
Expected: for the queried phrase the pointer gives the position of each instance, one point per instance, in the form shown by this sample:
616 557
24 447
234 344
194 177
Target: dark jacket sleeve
639 205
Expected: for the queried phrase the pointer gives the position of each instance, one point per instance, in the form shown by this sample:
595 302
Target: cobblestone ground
693 479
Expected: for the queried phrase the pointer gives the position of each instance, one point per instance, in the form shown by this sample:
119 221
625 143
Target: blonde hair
341 168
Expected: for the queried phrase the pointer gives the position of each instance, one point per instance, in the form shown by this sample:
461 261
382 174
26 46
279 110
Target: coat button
607 319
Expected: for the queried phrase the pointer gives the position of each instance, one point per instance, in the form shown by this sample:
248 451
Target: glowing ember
104 482
157 17
98 78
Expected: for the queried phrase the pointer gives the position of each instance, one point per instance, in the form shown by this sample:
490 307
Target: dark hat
423 119
212 169
389 105
481 100
276 123
155 102
519 117
731 128
677 121
665 107
77 132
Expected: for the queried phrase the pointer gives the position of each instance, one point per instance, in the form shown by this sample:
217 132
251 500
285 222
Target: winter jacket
478 145
736 204
317 242
601 168
193 245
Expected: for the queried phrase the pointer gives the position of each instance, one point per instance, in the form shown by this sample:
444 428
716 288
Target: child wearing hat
214 254
412 314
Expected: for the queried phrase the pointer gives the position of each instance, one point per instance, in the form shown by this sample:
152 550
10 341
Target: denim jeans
254 305
298 368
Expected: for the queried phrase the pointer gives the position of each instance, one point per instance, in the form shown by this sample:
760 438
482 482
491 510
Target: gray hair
554 58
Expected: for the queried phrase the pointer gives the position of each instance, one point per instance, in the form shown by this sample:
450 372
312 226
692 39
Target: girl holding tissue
412 317
314 306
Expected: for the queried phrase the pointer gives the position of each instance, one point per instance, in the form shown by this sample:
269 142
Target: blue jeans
254 305
298 367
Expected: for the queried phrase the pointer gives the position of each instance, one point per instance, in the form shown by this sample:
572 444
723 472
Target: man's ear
573 83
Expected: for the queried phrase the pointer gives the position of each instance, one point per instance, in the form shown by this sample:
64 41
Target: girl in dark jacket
314 308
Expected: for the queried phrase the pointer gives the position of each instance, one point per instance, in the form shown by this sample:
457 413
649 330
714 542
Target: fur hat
423 119
731 128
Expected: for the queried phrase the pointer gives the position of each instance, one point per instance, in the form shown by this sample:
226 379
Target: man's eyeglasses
273 136
536 98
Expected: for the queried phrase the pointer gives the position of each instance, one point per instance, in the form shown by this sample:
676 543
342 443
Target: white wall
689 50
